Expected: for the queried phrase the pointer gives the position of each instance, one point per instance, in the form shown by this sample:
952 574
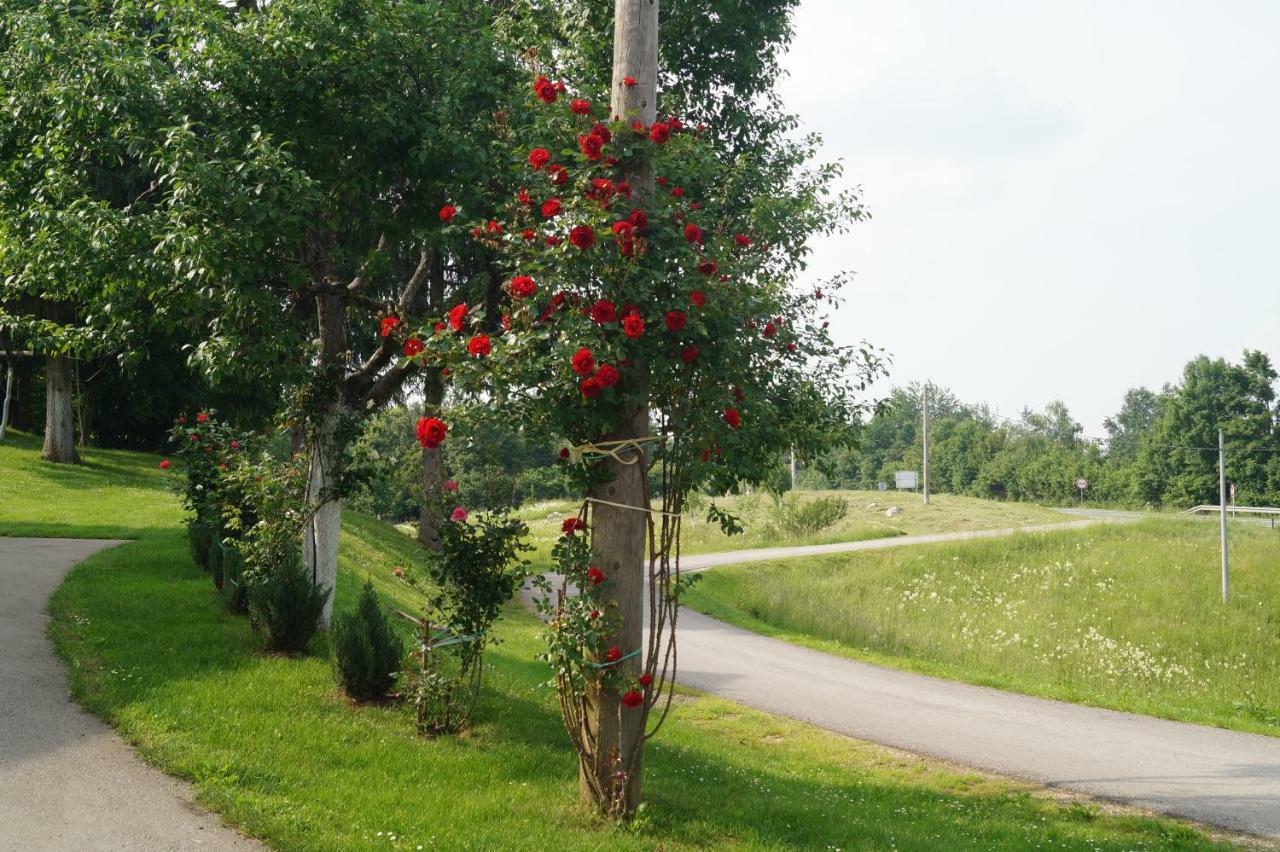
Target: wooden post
619 535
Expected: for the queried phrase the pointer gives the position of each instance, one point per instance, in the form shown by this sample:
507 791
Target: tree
1054 424
1136 417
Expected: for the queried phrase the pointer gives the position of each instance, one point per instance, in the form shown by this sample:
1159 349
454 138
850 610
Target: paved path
1209 775
66 780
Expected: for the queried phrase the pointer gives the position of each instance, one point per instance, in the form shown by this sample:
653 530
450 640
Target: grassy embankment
1126 616
270 744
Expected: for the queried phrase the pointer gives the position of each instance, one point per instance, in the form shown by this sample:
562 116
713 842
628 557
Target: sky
1067 199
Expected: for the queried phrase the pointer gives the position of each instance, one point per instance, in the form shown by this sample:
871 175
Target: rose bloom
623 228
457 315
608 375
613 654
450 485
660 132
572 525
388 324
770 329
523 287
583 236
431 432
539 157
603 311
235 445
459 515
164 464
479 345
558 174
591 388
583 362
579 106
742 240
202 417
528 234
552 241
638 127
523 197
698 298
545 90
624 189
591 145
692 233
646 679
412 347
447 213
551 208
595 575
675 320
678 192
639 219
633 325
628 81
732 417
632 699
707 266
689 354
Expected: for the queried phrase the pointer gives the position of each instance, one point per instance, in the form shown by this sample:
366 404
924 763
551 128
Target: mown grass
1124 616
866 519
269 742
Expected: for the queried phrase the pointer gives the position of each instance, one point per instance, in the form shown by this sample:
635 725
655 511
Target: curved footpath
1209 775
66 780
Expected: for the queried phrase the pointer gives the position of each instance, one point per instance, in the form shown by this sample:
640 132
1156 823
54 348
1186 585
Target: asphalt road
66 780
1210 775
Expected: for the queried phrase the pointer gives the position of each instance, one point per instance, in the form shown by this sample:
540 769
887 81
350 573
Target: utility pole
1222 500
925 469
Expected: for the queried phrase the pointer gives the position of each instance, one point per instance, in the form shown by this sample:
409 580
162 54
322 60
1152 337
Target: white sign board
1082 483
905 480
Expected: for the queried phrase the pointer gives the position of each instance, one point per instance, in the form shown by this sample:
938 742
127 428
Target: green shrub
796 519
286 605
215 557
201 538
235 596
366 652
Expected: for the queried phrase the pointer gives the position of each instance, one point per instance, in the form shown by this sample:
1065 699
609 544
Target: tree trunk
8 399
431 515
619 535
324 453
59 420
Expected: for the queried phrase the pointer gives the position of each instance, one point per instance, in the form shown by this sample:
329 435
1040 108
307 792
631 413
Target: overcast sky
1068 199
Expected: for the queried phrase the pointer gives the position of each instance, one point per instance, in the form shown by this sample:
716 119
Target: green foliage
285 604
200 537
797 519
235 593
365 651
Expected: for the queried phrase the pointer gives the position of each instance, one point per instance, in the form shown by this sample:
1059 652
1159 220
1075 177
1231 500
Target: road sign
1082 483
1231 489
906 480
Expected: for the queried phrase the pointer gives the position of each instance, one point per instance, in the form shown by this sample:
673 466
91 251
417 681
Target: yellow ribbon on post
611 449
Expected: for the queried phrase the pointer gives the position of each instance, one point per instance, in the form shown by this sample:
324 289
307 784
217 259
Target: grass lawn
865 519
269 743
1124 616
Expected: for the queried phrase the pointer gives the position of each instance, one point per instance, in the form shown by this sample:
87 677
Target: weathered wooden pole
619 535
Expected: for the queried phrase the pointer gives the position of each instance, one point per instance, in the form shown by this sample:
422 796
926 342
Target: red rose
539 157
582 236
523 287
633 325
624 189
579 106
202 417
553 241
545 90
613 654
638 127
388 325
639 218
646 679
678 192
695 206
595 613
494 227
551 208
632 699
659 133
440 326
572 525
676 320
732 417
447 213
558 174
628 81
791 347
623 229
689 354
591 388
164 464
607 375
479 345
603 132
698 298
431 432
604 311
595 575
412 347
583 362
770 329
182 419
692 233
707 266
661 181
591 145
450 485
457 316
602 189
742 240
528 234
